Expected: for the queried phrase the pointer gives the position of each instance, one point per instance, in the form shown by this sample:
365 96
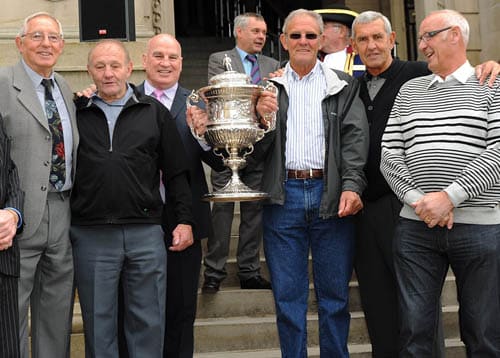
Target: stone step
454 348
232 280
257 336
231 302
254 333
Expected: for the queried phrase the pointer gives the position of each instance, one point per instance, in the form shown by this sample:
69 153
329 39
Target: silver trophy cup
233 128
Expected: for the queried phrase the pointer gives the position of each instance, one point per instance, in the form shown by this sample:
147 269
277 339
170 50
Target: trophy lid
229 77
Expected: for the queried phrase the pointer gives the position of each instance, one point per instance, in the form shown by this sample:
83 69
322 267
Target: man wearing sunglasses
314 175
441 156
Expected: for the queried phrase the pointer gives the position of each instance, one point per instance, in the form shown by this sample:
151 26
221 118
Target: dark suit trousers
375 273
9 317
183 272
250 231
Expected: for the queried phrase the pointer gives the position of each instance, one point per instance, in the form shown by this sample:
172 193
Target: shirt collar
118 102
294 76
243 54
386 74
169 92
35 77
461 74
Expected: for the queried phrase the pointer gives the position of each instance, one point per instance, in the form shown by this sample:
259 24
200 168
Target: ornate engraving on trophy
233 128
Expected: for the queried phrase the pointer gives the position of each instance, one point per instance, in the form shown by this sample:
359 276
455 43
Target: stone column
489 26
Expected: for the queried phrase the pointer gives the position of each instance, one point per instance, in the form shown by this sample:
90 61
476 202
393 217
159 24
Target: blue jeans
290 232
422 258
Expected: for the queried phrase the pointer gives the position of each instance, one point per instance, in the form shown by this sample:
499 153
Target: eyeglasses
309 36
426 36
40 36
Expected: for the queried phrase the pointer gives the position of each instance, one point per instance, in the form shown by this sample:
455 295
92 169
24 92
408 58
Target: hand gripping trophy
233 127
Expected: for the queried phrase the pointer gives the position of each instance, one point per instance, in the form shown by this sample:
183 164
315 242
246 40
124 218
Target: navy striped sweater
446 136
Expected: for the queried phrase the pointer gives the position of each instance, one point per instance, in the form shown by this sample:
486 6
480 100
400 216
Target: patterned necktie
58 169
254 72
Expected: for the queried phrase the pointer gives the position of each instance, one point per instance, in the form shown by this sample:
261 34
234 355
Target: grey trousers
136 254
46 283
250 230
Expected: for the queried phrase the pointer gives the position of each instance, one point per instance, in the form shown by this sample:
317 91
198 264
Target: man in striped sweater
441 156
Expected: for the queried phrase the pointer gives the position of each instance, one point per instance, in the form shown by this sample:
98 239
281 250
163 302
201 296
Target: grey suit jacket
215 64
27 126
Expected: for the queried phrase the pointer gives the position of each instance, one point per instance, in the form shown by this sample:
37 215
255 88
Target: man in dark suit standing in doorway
250 31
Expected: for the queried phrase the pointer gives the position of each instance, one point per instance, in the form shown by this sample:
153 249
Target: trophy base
235 193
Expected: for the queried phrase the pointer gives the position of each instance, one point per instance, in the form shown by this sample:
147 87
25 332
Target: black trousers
9 317
183 272
375 273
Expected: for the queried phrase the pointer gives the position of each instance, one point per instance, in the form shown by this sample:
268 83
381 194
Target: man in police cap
336 50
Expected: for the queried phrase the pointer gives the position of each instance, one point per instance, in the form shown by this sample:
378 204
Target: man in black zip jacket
127 139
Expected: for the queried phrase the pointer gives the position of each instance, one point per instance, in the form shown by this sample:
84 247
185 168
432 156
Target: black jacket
377 112
118 182
195 155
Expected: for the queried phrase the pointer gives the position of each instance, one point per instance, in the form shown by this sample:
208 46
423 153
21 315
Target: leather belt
304 174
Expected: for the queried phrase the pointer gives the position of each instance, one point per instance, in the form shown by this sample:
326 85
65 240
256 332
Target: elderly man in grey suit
250 33
39 115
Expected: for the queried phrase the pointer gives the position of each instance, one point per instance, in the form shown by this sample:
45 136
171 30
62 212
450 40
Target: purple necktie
254 72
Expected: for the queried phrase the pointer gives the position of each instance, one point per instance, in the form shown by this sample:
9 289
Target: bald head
163 39
443 37
162 61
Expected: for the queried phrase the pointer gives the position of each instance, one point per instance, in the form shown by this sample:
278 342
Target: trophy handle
250 151
218 152
270 119
195 98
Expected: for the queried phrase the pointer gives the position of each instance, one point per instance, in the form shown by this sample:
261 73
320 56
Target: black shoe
211 285
255 283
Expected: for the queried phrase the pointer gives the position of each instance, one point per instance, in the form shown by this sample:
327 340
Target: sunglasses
309 36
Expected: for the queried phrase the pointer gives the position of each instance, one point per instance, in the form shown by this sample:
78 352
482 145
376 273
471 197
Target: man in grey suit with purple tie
250 31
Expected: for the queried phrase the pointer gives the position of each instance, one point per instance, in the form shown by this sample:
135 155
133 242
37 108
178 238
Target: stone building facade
154 16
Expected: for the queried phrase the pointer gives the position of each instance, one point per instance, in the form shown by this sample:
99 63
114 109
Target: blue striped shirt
305 135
